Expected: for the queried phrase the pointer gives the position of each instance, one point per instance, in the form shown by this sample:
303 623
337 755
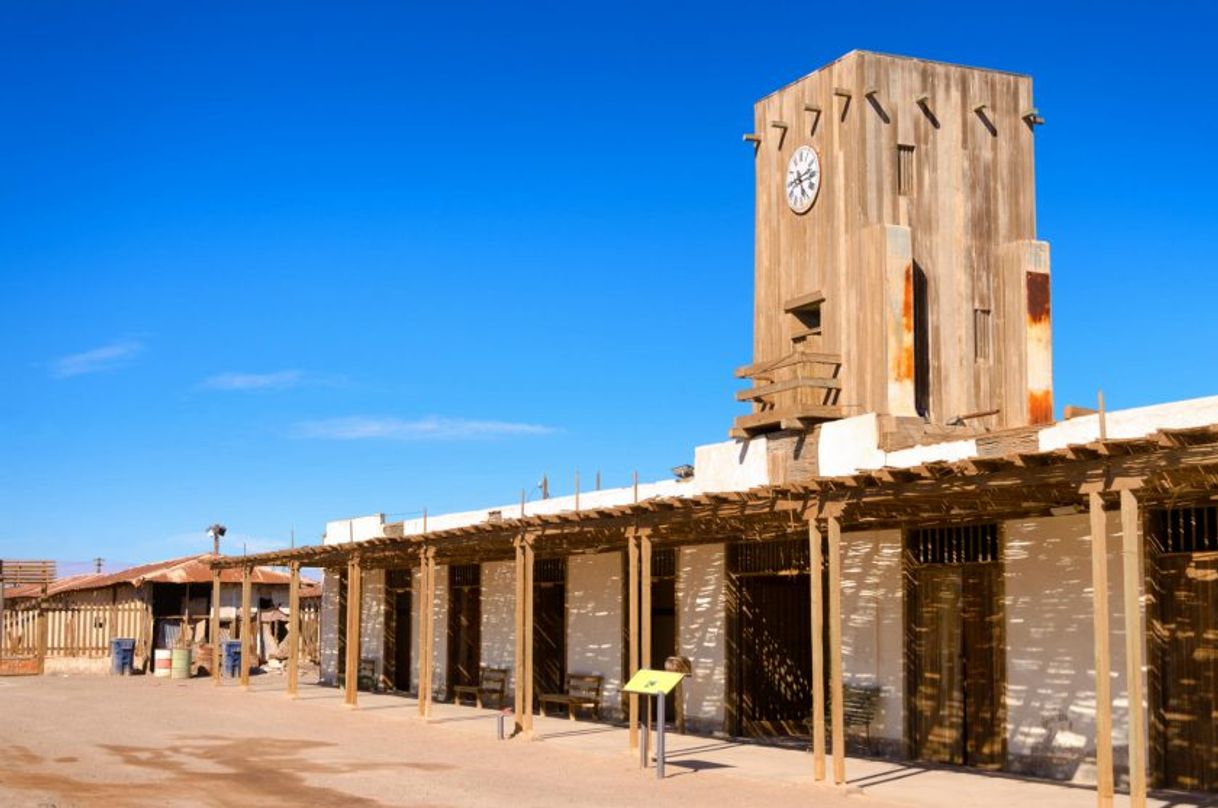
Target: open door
464 625
769 639
397 629
549 627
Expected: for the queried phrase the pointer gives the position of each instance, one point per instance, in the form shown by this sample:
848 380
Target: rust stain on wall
1040 406
905 357
1038 297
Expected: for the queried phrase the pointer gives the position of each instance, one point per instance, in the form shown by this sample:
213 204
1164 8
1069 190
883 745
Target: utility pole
216 531
97 565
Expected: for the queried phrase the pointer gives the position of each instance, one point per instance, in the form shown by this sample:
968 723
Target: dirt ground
87 740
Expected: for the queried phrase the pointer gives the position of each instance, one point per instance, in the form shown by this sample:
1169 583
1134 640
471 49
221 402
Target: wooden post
294 630
518 659
632 629
529 563
431 631
354 604
424 632
835 651
215 627
815 566
645 617
247 645
1132 555
42 638
1103 658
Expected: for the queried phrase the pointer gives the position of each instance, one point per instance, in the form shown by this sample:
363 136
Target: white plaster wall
357 528
330 585
730 466
701 625
439 633
849 444
1131 423
594 622
1051 642
925 453
499 618
872 623
372 622
372 619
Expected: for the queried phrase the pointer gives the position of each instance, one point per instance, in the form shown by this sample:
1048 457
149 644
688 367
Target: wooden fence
310 631
20 632
86 629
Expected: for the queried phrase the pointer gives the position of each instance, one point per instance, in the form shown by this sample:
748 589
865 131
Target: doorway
340 677
1182 618
956 658
398 593
464 625
769 639
664 618
549 627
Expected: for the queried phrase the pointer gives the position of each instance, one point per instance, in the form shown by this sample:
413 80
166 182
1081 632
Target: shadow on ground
202 770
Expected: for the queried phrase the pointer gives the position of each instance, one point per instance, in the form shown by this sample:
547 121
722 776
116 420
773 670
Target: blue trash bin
231 653
122 656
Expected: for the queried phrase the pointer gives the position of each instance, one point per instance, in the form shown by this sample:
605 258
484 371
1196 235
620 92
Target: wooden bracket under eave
782 127
842 92
923 102
815 110
981 112
1032 118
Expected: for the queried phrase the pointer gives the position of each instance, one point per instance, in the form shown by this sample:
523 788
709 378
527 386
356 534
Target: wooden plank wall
77 623
973 194
20 631
310 631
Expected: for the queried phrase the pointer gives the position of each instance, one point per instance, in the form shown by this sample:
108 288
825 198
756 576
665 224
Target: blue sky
277 263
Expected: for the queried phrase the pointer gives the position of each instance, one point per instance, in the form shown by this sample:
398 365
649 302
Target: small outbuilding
70 622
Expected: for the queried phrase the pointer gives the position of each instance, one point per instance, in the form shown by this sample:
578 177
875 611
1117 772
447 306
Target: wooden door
549 627
937 715
464 625
984 654
955 645
1184 670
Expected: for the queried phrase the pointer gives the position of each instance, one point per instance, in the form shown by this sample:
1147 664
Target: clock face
803 179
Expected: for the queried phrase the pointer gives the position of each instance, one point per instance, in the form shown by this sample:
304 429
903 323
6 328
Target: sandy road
143 741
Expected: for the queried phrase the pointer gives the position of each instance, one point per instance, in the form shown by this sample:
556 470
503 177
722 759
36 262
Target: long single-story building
899 535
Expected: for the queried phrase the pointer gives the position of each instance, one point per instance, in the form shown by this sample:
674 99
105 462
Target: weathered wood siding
967 224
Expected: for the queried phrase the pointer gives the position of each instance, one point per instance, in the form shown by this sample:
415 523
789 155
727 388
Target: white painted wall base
594 623
701 621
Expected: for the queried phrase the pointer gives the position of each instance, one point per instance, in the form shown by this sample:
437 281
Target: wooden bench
491 681
582 691
859 706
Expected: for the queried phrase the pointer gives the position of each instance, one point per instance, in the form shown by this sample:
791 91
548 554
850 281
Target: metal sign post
660 699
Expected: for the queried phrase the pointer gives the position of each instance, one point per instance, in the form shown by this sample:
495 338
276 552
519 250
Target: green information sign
653 683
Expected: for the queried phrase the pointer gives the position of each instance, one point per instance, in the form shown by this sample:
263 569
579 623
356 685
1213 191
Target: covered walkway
884 782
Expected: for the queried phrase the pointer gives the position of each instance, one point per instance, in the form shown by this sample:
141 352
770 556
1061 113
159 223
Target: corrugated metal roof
188 569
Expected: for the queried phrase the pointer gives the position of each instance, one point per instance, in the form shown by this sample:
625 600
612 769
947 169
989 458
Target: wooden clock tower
897 265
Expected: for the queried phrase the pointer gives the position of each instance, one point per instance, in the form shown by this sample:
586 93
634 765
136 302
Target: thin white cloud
278 380
432 427
97 360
